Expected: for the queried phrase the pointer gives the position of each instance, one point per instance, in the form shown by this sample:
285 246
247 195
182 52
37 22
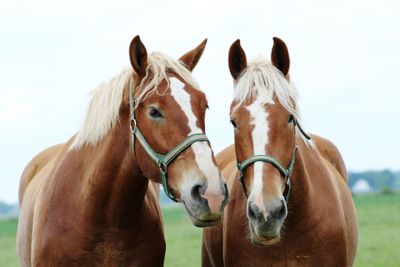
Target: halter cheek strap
285 172
162 160
297 124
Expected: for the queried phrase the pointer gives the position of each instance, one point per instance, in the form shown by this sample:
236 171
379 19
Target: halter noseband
285 172
162 160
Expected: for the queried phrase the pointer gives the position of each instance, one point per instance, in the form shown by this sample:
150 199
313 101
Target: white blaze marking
202 150
259 118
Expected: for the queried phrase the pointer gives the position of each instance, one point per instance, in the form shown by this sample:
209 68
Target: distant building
361 186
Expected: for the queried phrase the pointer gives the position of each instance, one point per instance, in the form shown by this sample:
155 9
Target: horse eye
233 123
154 113
291 118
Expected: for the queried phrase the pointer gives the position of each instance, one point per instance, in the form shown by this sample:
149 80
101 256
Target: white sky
344 55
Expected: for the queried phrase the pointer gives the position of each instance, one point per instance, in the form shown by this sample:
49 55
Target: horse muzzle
204 208
265 230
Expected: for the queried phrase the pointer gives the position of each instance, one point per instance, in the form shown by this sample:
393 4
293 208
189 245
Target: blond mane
103 110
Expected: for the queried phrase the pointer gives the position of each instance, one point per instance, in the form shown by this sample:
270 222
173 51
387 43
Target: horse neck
301 198
114 187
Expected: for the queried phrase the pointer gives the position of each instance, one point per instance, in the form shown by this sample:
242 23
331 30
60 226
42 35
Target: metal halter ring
133 120
163 166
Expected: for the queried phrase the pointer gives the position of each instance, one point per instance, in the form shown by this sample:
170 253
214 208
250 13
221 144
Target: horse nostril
196 193
225 191
254 212
280 212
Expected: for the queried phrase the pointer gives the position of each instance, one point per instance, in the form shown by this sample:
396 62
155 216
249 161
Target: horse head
168 123
264 117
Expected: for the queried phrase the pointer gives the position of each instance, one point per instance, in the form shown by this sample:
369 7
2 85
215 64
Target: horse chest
142 245
150 253
83 244
278 256
143 248
323 245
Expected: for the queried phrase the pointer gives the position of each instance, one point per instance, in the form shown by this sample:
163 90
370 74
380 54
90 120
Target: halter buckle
133 125
163 166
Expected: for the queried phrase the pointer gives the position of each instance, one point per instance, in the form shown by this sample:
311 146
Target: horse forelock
159 65
103 110
263 81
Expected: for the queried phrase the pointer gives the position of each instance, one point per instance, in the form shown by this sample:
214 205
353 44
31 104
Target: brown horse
292 206
88 202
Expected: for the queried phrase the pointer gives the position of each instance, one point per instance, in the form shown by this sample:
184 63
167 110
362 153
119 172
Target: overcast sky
344 62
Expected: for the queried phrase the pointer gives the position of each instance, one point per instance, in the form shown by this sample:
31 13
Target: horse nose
214 199
278 213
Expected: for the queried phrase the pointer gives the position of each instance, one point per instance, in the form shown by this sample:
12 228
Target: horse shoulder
29 217
331 153
226 156
343 228
35 166
226 161
348 217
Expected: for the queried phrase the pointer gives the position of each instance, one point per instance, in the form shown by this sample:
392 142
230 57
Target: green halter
162 160
286 172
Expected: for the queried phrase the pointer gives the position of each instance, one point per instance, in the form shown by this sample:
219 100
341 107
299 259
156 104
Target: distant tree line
8 210
378 180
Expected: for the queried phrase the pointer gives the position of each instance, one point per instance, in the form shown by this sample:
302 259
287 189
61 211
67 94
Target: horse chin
264 239
207 223
204 221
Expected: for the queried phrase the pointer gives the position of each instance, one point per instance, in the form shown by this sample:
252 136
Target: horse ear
236 59
280 56
138 56
191 58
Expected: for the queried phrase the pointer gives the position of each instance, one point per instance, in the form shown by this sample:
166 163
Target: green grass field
378 218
